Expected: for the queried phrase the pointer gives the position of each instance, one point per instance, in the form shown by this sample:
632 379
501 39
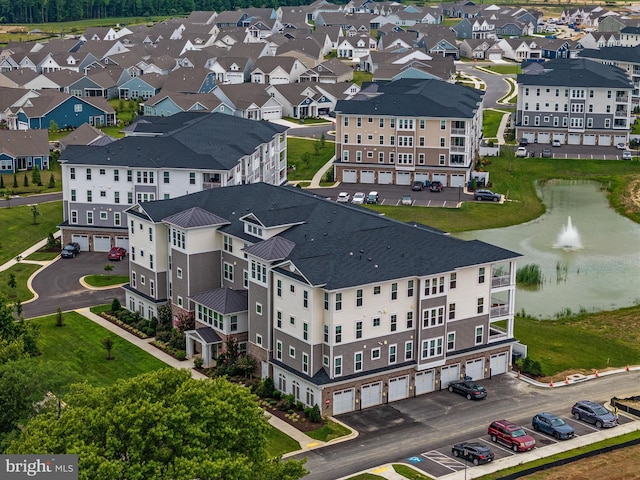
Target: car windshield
518 433
600 410
475 386
557 422
69 247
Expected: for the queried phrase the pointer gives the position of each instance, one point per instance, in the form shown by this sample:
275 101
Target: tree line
44 11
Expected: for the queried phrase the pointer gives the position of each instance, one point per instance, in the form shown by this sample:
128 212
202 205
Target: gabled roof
276 248
18 143
186 79
186 101
578 72
50 99
194 217
85 134
223 300
620 54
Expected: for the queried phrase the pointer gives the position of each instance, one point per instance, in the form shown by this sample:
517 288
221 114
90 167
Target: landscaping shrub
287 402
197 362
530 366
266 388
313 413
115 305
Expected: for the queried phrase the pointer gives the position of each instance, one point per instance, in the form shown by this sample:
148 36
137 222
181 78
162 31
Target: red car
511 435
117 253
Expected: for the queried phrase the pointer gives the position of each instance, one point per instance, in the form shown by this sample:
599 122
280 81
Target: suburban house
23 150
575 101
170 103
406 130
628 59
342 307
162 157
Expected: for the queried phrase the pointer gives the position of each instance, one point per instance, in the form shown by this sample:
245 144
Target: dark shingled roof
577 72
208 334
276 248
194 217
620 54
416 98
223 300
336 245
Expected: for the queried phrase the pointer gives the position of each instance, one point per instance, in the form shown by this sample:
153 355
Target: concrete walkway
317 178
27 252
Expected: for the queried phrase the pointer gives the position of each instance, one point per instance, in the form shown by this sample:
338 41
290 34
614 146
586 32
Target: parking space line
443 460
496 444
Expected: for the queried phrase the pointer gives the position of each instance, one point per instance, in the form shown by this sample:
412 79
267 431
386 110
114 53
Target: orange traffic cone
627 368
596 373
551 383
566 380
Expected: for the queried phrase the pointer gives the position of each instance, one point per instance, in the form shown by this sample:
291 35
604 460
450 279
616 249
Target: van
372 198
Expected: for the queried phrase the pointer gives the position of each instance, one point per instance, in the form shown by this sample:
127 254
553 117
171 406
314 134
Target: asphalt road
497 87
30 199
435 421
58 285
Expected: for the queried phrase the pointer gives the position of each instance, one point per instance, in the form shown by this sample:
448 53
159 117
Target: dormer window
254 230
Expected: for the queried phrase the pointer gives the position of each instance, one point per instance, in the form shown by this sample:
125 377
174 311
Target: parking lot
580 152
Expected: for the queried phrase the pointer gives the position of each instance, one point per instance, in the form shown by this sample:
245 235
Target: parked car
343 197
469 389
552 425
373 197
406 200
556 143
486 195
417 186
436 186
70 250
116 253
546 153
621 146
593 412
475 452
358 198
626 155
521 152
524 142
511 435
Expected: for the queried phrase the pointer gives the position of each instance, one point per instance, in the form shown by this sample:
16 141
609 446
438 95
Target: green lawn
329 431
43 256
409 472
22 271
490 122
505 69
18 230
78 343
106 280
306 121
79 26
279 443
297 147
7 185
359 77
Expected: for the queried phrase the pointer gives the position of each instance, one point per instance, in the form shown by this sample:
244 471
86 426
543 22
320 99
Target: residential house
406 130
331 71
143 86
375 312
250 101
630 36
85 134
162 157
169 103
628 59
23 150
310 99
276 70
575 101
190 80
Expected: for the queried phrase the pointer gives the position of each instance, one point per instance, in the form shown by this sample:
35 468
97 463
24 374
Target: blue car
552 425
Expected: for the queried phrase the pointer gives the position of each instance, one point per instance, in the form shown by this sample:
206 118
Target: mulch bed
303 424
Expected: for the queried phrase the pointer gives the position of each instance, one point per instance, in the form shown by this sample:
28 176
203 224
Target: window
432 348
338 333
258 271
228 271
357 362
480 305
326 333
305 299
452 311
393 353
258 339
394 291
142 279
227 243
421 141
279 288
337 371
279 350
233 323
394 322
410 288
376 290
89 218
166 177
381 123
129 175
479 334
408 350
359 297
358 121
88 174
72 173
443 142
152 288
150 234
292 288
116 197
279 319
130 198
481 273
375 353
133 279
133 230
305 331
178 270
338 301
305 362
359 329
103 193
77 108
409 319
376 322
73 195
346 121
453 278
103 215
392 122
292 320
259 308
74 216
326 300
179 301
292 352
192 178
380 157
432 317
433 286
89 196
116 219
151 261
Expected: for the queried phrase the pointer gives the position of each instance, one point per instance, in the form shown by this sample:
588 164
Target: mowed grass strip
105 280
22 272
296 150
490 122
79 344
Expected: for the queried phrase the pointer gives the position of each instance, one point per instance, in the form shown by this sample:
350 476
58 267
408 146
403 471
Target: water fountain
569 237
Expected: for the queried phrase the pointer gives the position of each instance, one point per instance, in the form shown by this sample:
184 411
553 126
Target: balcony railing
458 131
209 185
457 148
621 113
496 332
499 310
500 281
622 98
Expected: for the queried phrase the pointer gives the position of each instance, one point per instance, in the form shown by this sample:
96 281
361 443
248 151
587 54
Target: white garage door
82 240
367 176
604 140
589 140
529 136
498 364
449 374
544 138
440 177
271 114
122 242
574 139
494 57
421 177
343 401
385 178
619 139
457 180
403 178
371 395
475 369
101 243
425 382
398 388
559 137
349 176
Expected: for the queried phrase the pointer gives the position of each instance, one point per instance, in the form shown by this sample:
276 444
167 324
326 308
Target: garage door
449 374
398 388
403 178
589 140
101 243
82 240
385 178
371 395
425 382
494 57
440 177
544 138
421 177
574 139
498 364
122 242
604 140
529 136
457 180
559 137
619 139
272 114
343 401
475 369
349 176
367 176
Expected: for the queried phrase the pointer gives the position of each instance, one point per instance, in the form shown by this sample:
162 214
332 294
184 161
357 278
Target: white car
358 198
556 143
626 155
343 197
521 152
621 146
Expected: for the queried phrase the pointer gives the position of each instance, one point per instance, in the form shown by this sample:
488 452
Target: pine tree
52 181
1 181
15 181
26 180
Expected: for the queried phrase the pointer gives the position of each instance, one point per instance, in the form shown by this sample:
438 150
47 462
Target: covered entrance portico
204 343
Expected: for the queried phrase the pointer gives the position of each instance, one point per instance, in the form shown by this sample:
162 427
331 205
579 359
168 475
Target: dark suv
595 413
486 195
436 186
417 186
511 435
70 250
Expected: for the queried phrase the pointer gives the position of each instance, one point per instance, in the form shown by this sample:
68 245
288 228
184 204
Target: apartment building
163 157
344 308
628 59
409 129
575 101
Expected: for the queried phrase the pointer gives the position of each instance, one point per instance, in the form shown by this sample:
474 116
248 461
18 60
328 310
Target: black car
595 413
473 451
524 142
436 186
486 195
417 186
552 425
70 250
469 389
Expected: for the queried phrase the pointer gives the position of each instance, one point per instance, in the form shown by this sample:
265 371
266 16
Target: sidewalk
27 252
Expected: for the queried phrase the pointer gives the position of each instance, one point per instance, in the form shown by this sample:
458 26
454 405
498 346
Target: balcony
496 333
500 281
210 185
622 98
621 113
457 149
458 131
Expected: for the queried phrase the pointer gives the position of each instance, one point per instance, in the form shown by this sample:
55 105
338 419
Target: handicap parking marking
444 460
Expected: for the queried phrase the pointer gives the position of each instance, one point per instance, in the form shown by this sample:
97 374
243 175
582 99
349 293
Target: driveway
58 284
30 199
